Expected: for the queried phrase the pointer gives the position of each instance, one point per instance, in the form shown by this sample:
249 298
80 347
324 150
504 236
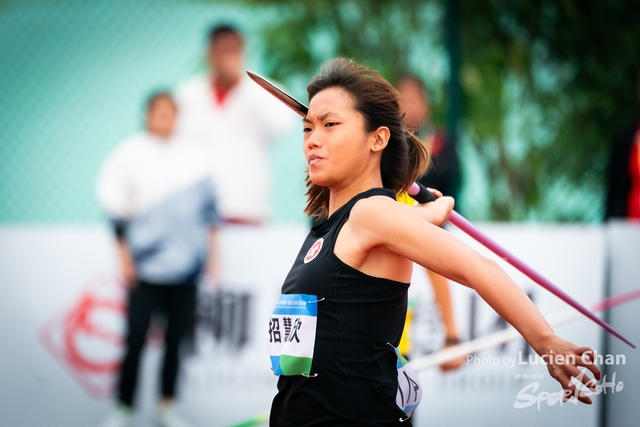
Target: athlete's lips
313 159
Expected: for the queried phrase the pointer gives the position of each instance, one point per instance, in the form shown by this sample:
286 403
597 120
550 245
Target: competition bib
409 392
291 335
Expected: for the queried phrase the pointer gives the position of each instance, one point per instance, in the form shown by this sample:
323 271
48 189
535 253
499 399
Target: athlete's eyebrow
322 116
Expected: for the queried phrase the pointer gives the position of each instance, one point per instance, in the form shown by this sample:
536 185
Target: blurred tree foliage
545 84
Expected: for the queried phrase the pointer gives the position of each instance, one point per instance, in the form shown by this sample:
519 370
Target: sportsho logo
528 396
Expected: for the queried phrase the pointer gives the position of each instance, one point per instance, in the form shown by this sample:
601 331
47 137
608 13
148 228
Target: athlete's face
337 146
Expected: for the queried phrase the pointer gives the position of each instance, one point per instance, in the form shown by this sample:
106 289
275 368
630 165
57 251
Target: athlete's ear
380 138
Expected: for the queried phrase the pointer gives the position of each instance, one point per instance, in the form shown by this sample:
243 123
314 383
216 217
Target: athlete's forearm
495 286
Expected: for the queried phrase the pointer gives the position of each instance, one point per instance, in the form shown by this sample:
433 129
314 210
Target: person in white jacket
237 121
158 192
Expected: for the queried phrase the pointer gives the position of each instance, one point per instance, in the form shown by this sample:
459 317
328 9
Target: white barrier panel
623 241
60 322
509 385
61 316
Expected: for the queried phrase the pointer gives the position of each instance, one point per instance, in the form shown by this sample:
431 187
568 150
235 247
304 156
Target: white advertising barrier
508 384
623 243
62 326
61 320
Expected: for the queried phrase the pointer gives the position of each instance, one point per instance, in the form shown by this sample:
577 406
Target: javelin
421 195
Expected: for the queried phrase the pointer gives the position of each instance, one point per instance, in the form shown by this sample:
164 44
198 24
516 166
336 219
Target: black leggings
177 303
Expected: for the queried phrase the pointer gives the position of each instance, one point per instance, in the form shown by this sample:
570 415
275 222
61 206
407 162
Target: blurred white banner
61 323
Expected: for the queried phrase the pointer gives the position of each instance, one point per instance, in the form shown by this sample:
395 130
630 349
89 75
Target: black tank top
353 378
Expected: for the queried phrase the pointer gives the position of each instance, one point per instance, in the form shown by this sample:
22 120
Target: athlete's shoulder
377 210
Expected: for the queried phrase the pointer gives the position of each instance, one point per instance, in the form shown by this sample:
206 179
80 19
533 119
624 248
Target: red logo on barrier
87 338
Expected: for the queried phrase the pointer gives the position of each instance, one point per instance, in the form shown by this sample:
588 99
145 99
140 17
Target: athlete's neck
338 197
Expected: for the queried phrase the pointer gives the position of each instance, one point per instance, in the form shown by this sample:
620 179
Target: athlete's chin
318 179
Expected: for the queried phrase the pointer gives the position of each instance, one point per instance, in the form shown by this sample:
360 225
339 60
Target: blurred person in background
444 172
623 183
158 192
236 120
443 175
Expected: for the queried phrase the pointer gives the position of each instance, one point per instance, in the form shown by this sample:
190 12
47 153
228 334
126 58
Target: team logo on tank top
314 251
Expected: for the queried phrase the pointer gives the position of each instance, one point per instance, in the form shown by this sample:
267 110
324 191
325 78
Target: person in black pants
157 191
177 303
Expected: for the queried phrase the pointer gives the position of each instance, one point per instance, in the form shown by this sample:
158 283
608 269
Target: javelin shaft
422 195
464 225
